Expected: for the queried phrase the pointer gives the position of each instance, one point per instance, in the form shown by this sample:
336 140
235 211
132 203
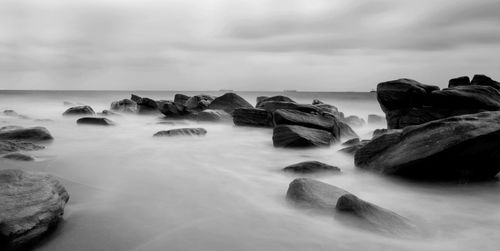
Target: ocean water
226 191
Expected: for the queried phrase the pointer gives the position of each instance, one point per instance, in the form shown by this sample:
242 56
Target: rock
260 98
10 113
479 79
124 105
381 131
353 148
309 193
79 110
252 117
182 132
15 145
278 98
26 134
145 105
327 108
472 97
135 98
460 81
181 99
108 113
173 109
299 136
457 148
402 93
376 119
228 102
32 204
210 115
272 106
353 141
19 156
10 127
354 121
199 102
95 121
317 102
309 167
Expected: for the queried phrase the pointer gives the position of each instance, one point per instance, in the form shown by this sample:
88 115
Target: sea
226 190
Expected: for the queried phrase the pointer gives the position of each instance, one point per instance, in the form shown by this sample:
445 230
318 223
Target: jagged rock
181 99
228 102
457 148
32 204
480 79
252 117
135 98
124 105
19 156
26 134
199 102
403 93
15 145
79 110
460 81
173 109
308 167
376 119
209 115
182 132
278 98
95 121
299 136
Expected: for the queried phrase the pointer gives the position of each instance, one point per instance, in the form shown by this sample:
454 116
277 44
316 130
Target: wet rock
299 136
272 106
95 121
460 81
32 204
484 80
209 115
252 117
353 148
26 134
381 131
199 102
467 97
351 142
327 108
403 93
145 105
182 132
278 98
228 102
376 119
181 99
354 121
108 113
309 167
173 109
309 193
464 147
124 105
19 157
79 110
135 98
259 99
15 145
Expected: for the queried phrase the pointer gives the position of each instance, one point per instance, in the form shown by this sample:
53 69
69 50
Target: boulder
299 136
382 131
272 106
294 117
310 193
95 121
279 98
7 146
464 147
181 99
124 105
199 102
210 115
135 98
108 113
26 134
173 109
309 167
472 97
259 99
353 148
145 105
403 93
228 102
252 117
376 119
460 81
354 121
79 110
19 156
351 142
182 132
32 205
480 79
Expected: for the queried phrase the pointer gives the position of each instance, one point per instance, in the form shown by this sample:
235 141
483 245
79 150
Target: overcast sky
310 45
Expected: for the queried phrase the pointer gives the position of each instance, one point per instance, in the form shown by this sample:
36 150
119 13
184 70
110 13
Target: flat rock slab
95 121
30 205
182 132
299 136
310 167
26 134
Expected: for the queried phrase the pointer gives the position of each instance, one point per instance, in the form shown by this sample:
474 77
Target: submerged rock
309 167
32 204
228 102
26 134
95 121
15 145
145 105
182 132
464 147
19 156
108 113
252 117
314 194
79 110
173 109
299 136
124 105
209 115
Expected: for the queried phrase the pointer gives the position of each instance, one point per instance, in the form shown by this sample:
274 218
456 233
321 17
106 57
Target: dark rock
252 117
199 102
79 110
402 93
460 81
109 113
32 204
317 102
209 115
182 132
27 134
345 131
354 121
278 98
181 99
382 131
327 108
135 98
309 193
294 117
376 119
124 105
485 80
299 136
95 121
351 142
309 167
353 148
260 98
464 147
228 102
145 105
173 109
272 106
19 156
15 145
484 98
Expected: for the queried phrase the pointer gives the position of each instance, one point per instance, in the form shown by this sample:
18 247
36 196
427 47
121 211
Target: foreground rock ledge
464 147
30 205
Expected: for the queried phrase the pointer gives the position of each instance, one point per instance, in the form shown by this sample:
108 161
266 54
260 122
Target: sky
244 45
